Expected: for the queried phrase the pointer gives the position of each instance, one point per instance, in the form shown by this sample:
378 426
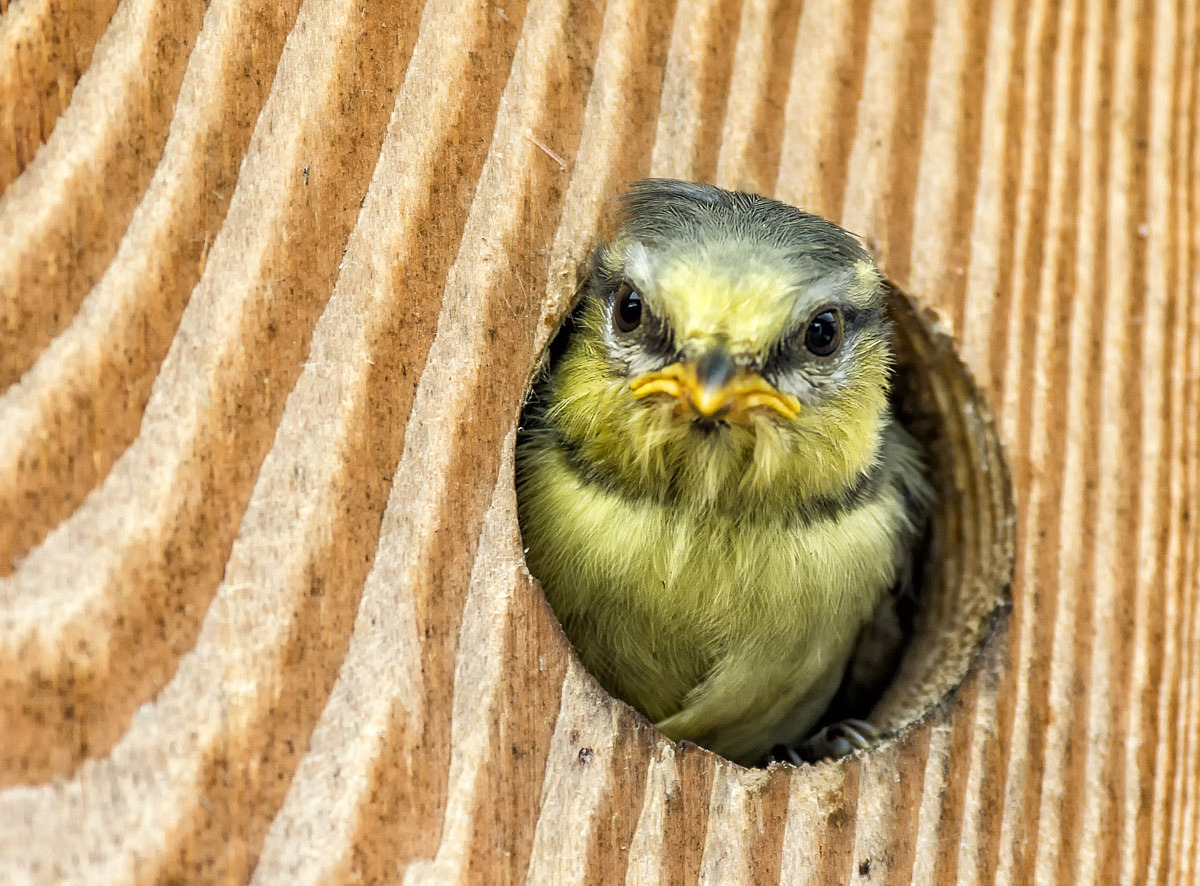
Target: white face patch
820 293
641 268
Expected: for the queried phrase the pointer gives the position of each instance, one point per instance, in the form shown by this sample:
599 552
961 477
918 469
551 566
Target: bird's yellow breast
719 628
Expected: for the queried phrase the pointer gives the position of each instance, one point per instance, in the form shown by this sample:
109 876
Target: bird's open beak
711 387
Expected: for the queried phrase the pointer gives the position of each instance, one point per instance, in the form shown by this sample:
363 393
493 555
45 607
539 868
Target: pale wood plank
265 614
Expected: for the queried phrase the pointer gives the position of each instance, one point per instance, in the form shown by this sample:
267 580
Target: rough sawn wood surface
273 280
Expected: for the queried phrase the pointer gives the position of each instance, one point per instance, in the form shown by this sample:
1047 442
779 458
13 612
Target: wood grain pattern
273 281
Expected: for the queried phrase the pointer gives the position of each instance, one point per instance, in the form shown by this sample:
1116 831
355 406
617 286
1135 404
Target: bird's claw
837 740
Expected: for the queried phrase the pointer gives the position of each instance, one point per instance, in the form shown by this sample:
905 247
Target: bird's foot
836 740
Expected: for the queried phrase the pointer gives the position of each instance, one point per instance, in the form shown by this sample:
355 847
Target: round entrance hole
963 566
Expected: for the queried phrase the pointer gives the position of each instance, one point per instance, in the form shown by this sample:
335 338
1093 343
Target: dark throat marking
865 488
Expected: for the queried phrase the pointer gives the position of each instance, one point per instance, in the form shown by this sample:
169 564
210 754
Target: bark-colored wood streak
44 48
77 408
109 642
61 222
274 279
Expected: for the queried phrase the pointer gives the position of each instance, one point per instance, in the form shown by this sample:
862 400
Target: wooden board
273 280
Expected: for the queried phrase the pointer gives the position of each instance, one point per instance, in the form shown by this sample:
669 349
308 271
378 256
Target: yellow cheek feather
769 461
652 597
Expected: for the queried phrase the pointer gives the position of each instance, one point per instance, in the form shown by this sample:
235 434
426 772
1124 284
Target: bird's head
729 347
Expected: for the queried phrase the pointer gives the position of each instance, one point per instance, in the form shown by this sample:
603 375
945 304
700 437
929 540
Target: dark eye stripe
650 334
855 319
790 351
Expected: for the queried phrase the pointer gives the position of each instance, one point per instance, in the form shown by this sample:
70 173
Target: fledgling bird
712 488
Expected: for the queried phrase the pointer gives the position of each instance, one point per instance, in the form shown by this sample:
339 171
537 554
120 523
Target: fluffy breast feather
719 626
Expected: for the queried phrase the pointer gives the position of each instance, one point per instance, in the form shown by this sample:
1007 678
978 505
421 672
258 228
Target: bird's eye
627 309
824 333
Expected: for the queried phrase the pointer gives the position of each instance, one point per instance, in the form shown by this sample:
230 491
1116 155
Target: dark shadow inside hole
884 641
963 565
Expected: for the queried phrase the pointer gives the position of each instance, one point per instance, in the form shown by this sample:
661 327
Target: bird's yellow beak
712 387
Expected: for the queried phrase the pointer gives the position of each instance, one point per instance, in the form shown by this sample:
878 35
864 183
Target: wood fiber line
646 852
1180 866
937 804
884 844
695 89
1185 823
957 834
615 818
834 827
504 814
872 192
1038 243
147 600
768 825
1115 578
1015 41
1076 620
969 150
752 135
1011 62
714 84
591 733
1190 681
726 857
1181 405
1143 745
1176 698
985 297
989 808
751 807
944 195
79 406
44 48
803 841
1028 231
685 819
1058 456
61 220
387 252
495 284
822 109
1161 694
910 96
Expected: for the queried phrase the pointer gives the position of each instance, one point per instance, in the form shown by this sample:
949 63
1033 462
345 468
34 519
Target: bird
712 487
